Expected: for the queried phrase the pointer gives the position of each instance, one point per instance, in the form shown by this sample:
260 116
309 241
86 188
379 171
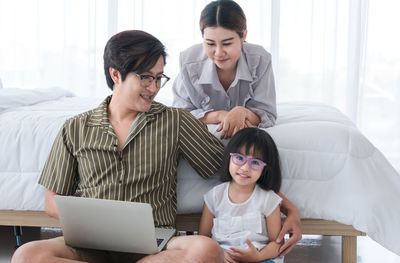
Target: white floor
312 249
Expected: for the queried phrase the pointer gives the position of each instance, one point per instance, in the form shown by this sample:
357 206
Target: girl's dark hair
131 50
262 147
225 13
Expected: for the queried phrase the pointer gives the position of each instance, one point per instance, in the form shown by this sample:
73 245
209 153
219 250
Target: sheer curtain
338 52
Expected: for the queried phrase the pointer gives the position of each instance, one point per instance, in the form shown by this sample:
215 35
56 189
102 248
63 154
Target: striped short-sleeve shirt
85 161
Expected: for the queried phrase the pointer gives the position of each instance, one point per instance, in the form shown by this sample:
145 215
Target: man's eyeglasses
254 164
147 80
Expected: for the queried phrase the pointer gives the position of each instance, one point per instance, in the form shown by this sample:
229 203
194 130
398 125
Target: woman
226 80
229 81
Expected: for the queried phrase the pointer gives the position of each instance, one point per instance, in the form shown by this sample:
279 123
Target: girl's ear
115 76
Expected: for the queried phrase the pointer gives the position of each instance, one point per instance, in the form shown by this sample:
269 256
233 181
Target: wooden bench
190 222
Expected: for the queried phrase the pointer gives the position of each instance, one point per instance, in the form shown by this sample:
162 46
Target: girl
226 80
243 214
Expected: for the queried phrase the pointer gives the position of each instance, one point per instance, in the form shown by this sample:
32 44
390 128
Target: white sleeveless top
233 223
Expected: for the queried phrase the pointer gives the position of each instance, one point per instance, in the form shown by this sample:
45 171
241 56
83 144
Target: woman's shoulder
193 54
250 49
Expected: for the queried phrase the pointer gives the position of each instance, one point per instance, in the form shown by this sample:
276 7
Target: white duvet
330 170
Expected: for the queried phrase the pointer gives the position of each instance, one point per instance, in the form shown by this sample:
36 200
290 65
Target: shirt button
120 181
120 158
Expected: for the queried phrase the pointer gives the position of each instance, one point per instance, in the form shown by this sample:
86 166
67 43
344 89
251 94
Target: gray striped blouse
85 161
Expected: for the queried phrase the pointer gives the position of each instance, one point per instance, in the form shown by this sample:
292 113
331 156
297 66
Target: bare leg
193 249
52 250
55 250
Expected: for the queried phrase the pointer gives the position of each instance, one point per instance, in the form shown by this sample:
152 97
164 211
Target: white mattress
330 170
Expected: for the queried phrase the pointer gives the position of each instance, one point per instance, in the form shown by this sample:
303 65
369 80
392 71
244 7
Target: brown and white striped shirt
85 161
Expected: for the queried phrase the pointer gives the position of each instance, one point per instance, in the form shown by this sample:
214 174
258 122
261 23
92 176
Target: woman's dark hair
262 147
224 13
131 50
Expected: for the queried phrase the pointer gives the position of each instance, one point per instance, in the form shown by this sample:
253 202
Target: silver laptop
110 225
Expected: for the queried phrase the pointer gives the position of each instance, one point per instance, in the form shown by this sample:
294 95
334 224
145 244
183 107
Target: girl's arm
269 251
206 222
274 226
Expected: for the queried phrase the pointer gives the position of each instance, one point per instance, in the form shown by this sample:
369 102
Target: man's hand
245 255
291 225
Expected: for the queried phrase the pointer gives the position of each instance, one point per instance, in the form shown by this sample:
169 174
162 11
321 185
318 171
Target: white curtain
344 53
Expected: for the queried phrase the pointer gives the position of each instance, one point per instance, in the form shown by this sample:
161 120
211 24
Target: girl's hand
234 121
228 259
245 255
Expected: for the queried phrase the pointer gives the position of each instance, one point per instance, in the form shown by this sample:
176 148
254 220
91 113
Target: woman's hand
250 254
234 121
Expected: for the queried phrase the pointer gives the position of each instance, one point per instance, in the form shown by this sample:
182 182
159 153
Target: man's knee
205 249
29 252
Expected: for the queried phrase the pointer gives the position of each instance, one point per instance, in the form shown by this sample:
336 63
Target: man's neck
118 112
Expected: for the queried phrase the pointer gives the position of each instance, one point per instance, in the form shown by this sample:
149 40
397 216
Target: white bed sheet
330 170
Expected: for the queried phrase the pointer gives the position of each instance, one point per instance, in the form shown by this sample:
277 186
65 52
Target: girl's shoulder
215 196
267 195
220 187
217 192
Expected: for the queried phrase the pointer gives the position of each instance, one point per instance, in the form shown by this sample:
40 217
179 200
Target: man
128 149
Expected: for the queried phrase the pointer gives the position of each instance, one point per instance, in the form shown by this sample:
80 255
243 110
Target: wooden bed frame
190 222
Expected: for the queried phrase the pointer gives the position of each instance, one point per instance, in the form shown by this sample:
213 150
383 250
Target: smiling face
133 94
223 46
242 175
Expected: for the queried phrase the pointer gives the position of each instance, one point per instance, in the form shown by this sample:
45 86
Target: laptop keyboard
159 241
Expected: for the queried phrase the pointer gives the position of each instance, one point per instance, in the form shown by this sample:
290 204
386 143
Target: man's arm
60 170
291 225
50 204
198 146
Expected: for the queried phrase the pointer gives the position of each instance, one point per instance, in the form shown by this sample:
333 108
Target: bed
340 182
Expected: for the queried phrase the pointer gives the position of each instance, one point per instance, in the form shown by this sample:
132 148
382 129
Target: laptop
110 225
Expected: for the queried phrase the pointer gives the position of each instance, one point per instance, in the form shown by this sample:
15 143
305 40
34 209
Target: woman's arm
206 222
214 117
263 100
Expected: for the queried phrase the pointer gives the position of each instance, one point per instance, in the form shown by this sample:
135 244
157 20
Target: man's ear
244 36
115 76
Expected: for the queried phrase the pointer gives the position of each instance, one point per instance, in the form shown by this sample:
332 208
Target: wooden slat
328 228
26 218
189 222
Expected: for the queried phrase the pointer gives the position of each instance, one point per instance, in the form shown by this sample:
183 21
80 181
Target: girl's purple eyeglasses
254 164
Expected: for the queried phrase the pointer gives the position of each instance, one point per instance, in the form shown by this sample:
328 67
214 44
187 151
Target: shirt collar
208 73
243 71
99 116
